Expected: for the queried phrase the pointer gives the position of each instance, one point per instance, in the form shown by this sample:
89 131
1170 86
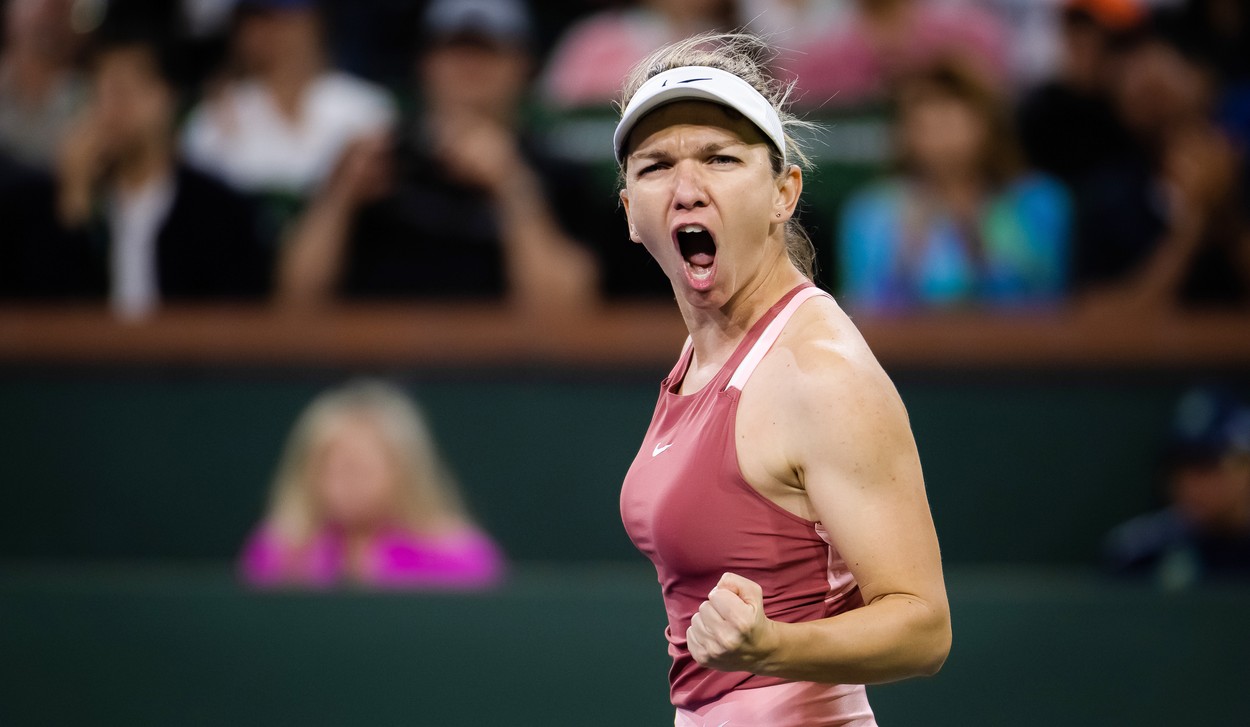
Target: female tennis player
778 490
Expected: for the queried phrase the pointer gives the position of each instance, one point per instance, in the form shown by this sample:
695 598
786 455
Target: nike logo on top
660 448
692 80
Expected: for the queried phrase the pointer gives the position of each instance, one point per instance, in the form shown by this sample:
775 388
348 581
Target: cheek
643 213
355 482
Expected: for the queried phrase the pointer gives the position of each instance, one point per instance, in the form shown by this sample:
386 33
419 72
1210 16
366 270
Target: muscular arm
856 459
849 446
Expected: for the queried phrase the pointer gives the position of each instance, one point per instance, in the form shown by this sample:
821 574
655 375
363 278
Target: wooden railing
626 335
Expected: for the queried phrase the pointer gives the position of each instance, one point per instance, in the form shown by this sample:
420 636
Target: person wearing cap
1204 531
278 129
778 490
464 205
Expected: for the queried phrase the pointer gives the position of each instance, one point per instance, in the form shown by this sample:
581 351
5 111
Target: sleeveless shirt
687 507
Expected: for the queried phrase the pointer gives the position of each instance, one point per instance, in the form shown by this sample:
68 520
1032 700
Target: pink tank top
687 507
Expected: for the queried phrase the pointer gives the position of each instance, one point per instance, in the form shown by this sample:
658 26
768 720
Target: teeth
692 228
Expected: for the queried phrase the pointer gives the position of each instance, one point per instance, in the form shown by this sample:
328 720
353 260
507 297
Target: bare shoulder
821 371
821 348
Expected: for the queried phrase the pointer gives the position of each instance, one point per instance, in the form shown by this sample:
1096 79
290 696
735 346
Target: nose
689 190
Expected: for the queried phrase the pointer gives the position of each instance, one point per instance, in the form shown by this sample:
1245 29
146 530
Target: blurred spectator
792 24
964 222
37 262
282 124
592 59
1205 529
154 230
1222 27
1068 125
1034 29
1163 223
466 206
361 496
860 55
40 88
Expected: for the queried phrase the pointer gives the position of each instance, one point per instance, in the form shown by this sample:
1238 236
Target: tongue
701 259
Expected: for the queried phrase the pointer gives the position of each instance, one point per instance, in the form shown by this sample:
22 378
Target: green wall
124 491
573 645
172 463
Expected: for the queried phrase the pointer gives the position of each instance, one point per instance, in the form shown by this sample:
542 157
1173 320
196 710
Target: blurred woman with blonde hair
361 495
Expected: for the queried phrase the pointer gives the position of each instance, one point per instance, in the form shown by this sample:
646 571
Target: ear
633 231
789 188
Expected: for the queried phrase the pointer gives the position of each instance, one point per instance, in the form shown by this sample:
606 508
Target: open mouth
698 249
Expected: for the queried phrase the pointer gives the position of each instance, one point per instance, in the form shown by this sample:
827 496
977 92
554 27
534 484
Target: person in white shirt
280 127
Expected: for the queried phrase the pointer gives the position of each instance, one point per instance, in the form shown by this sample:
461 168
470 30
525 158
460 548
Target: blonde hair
748 57
428 493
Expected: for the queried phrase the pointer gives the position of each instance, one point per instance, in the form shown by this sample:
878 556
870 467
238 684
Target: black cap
506 22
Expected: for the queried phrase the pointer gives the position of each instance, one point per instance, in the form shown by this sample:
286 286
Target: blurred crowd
1019 153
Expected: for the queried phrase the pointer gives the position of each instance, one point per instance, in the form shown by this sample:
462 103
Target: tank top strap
683 361
769 336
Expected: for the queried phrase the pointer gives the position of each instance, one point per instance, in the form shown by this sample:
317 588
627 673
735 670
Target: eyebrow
712 147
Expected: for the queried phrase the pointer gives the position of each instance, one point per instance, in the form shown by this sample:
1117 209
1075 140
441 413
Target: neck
357 549
716 332
287 82
145 165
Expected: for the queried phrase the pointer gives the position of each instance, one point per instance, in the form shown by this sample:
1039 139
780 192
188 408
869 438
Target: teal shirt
1026 232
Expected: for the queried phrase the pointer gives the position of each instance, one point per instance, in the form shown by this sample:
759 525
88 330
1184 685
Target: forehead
709 122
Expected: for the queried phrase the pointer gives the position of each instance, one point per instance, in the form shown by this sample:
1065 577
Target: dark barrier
170 463
573 645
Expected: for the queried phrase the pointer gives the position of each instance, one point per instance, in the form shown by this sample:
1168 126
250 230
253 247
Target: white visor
700 83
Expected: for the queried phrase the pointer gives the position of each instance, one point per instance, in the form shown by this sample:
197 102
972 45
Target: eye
723 159
655 167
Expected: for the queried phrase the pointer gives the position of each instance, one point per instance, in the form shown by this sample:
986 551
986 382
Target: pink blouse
396 558
846 68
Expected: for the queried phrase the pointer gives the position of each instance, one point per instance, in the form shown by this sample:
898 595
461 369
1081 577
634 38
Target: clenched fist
729 632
